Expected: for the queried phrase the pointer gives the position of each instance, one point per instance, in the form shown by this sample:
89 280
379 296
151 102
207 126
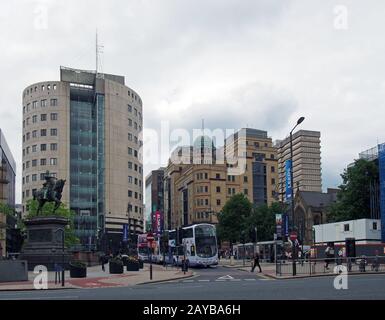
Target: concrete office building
195 191
85 128
306 162
258 181
7 188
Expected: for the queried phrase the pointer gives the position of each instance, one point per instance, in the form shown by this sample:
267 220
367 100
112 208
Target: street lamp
299 121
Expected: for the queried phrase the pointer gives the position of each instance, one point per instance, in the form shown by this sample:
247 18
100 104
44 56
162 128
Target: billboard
278 225
157 222
125 232
288 168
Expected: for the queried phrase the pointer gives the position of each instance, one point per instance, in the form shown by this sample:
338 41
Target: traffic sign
150 237
293 236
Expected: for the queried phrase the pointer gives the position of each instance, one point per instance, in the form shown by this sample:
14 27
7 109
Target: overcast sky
260 63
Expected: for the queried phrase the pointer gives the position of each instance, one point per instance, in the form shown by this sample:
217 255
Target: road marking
227 277
188 281
203 280
250 279
235 279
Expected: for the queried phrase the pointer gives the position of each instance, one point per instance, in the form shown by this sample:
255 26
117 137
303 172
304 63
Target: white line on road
188 281
203 280
250 279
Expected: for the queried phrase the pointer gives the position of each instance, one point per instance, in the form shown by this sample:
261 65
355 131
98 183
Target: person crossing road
256 262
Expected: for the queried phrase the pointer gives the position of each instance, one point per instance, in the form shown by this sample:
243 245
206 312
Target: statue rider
48 186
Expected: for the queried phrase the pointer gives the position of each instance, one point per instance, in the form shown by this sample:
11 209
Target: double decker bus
199 245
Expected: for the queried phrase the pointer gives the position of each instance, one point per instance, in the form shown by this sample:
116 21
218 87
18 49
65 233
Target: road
223 284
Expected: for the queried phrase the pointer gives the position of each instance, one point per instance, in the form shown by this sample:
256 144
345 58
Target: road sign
150 237
293 236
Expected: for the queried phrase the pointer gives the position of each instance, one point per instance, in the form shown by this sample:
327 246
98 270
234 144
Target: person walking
103 260
256 262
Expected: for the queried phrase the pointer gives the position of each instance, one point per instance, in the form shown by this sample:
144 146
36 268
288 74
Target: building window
129 122
43 103
34 105
27 179
54 86
272 181
136 167
218 202
136 181
42 88
43 117
218 176
130 165
27 193
246 191
136 195
129 108
346 227
206 175
53 161
129 137
272 169
34 119
42 176
130 179
34 163
34 177
34 134
48 87
28 135
244 178
374 225
53 132
43 132
27 150
218 189
229 190
271 156
43 162
53 146
53 116
135 126
136 208
135 153
129 193
129 151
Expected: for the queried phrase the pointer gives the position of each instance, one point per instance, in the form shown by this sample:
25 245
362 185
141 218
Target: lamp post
299 121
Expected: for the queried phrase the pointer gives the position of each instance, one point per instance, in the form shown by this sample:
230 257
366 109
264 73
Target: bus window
192 250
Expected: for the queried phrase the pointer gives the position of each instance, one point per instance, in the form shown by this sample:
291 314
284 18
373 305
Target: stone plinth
44 244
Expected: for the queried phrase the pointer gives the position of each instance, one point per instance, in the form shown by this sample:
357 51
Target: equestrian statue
51 192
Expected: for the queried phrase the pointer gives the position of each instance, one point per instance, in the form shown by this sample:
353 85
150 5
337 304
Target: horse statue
51 192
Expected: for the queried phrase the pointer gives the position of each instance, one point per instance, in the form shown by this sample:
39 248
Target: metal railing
326 266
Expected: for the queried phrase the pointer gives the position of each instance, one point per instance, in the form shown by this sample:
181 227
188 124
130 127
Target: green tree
233 220
353 200
263 217
62 211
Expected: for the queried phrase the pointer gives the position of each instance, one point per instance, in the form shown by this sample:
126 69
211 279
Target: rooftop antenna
99 50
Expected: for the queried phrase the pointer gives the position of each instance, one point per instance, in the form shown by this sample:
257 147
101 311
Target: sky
256 63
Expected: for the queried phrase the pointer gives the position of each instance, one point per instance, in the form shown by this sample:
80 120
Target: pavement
96 278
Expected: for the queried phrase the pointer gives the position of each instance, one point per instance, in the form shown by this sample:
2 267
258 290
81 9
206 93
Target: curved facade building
86 129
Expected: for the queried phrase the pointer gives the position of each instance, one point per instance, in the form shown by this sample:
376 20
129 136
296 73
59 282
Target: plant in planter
78 269
116 266
132 264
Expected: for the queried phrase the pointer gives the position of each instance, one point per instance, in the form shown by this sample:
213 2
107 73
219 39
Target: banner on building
125 232
157 222
285 220
278 225
288 168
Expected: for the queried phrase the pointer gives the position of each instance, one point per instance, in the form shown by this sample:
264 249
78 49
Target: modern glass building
8 173
86 129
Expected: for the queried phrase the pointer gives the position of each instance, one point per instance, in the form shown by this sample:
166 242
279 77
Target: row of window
134 180
136 126
130 207
205 202
135 97
132 152
43 87
43 117
43 104
205 189
43 162
43 133
136 195
136 112
43 147
34 177
134 166
135 139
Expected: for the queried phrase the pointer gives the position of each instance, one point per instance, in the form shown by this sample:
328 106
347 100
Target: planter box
77 272
132 266
116 268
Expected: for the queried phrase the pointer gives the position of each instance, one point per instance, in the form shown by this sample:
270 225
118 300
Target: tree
263 217
233 219
62 211
353 200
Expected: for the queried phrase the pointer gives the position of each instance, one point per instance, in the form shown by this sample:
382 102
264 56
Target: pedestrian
329 252
103 261
256 262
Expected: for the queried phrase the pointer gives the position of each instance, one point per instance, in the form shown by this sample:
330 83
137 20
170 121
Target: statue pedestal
45 243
